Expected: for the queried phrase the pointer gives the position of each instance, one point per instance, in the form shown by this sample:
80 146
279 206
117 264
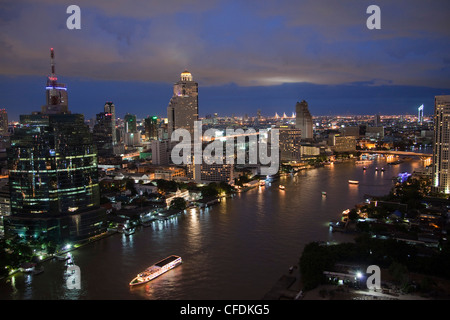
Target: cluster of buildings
55 159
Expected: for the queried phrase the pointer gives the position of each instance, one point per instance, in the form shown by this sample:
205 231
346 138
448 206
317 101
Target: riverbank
50 257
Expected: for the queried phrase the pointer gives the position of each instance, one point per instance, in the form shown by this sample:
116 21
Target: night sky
245 55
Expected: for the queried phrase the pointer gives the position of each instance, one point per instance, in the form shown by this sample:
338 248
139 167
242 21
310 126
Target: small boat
129 231
324 193
156 270
62 257
353 181
364 168
282 187
382 169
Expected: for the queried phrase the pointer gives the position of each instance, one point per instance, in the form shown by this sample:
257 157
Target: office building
151 128
53 179
103 134
130 123
441 145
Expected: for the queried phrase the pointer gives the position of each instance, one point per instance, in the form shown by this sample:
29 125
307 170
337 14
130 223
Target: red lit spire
52 59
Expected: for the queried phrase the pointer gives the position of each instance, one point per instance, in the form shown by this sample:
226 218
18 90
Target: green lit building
53 179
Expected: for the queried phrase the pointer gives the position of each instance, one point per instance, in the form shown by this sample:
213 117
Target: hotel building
441 144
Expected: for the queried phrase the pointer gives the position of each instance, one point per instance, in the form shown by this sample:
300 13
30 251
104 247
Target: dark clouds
248 43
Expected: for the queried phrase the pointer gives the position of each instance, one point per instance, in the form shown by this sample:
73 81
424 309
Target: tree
353 215
129 183
166 186
399 273
210 190
178 203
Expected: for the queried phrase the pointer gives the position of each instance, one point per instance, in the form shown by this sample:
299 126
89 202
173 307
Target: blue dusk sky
245 55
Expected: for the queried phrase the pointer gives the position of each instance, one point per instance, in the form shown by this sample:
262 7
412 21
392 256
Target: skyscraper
304 120
111 108
103 134
151 127
130 123
183 106
441 144
53 178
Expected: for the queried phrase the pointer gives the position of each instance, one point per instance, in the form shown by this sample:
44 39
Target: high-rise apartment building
304 120
441 144
183 106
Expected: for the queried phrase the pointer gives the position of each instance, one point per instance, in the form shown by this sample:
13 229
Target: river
235 250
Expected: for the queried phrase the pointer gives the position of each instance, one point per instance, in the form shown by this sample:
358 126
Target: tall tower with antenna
56 93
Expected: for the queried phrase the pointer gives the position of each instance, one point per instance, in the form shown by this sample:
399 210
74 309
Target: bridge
399 153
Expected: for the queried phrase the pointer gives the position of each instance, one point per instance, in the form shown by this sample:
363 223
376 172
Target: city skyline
244 57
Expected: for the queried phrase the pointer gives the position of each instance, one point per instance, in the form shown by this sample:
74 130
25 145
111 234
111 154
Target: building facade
304 120
151 128
53 178
290 144
111 109
103 134
182 110
441 144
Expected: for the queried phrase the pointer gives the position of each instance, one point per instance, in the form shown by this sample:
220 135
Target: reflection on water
236 249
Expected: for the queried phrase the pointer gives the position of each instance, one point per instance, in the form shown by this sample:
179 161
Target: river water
235 250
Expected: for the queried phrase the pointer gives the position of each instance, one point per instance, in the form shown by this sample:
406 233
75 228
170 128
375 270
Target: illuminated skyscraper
53 178
441 144
304 120
183 106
